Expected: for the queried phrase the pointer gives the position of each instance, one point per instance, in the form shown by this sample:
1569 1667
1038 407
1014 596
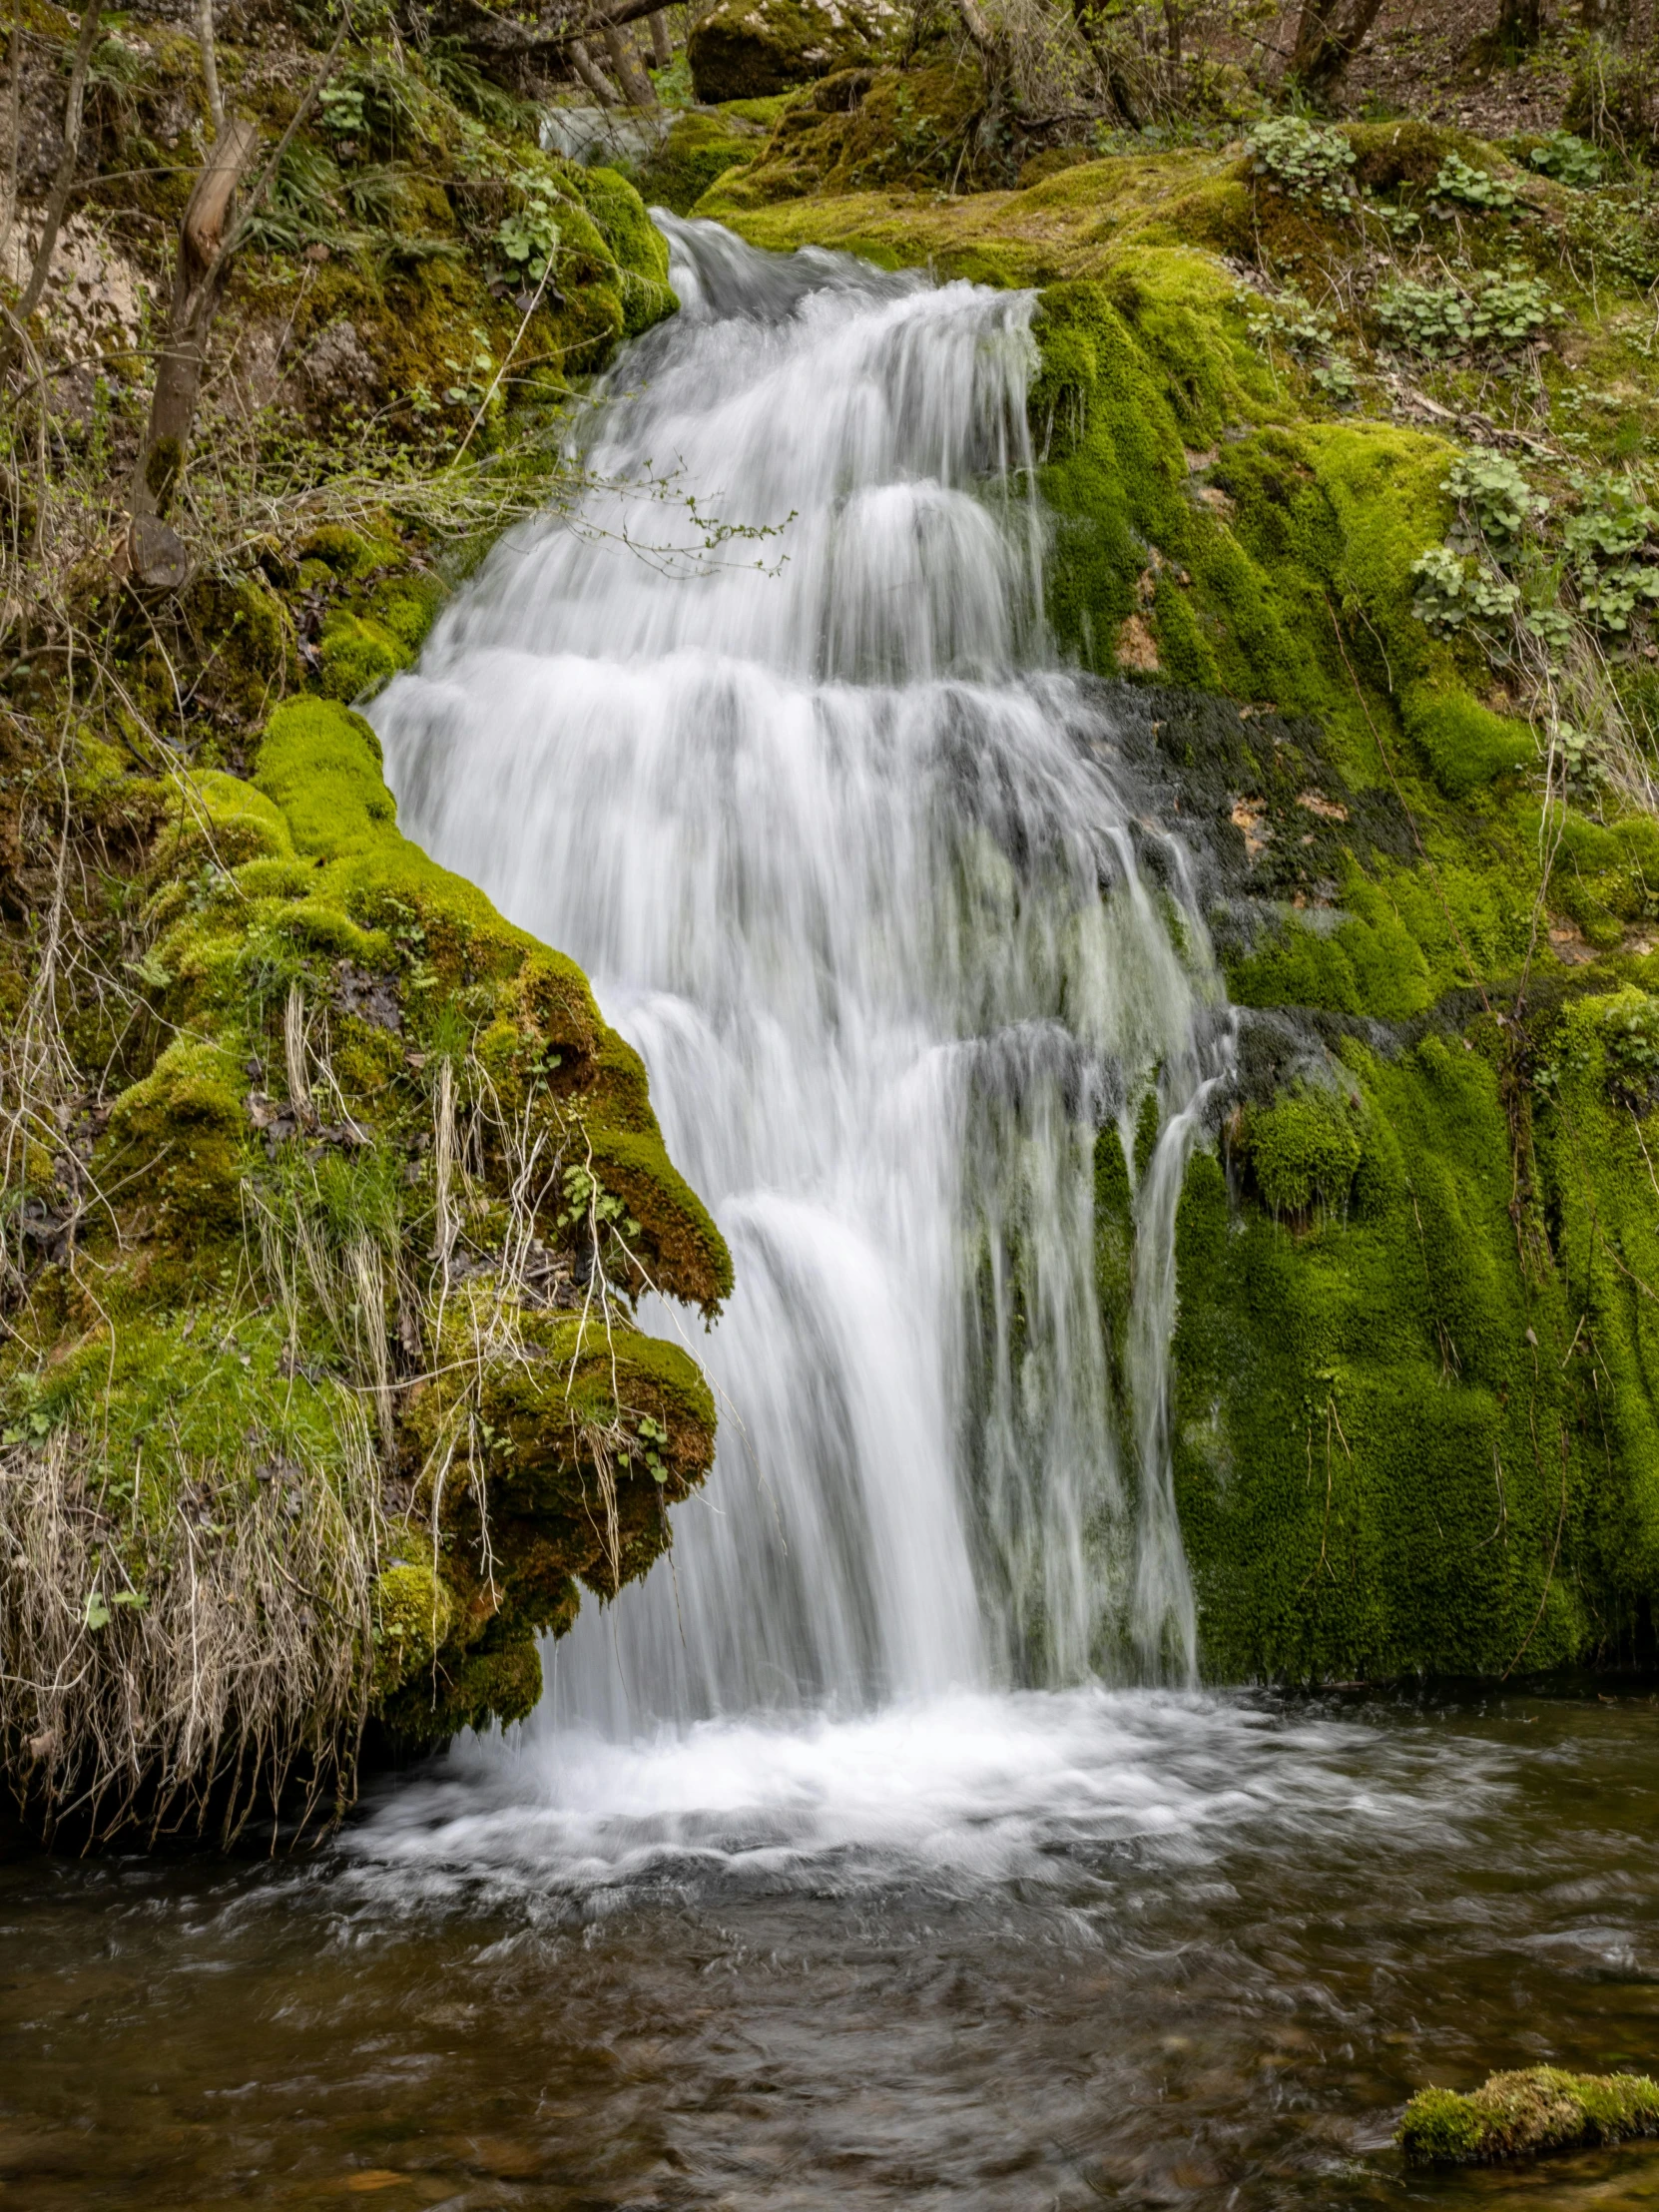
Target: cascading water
856 874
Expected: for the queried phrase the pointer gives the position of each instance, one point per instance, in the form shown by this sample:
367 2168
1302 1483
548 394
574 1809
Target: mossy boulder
746 49
697 150
1520 2114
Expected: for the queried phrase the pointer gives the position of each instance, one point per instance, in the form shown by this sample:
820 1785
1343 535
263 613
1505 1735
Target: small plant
342 110
1496 314
652 1433
1452 591
1336 379
1495 496
1609 542
1291 323
1467 186
1631 1048
1309 335
1568 159
1581 754
1304 160
528 237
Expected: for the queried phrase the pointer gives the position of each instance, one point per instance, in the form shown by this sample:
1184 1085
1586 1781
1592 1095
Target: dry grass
242 1664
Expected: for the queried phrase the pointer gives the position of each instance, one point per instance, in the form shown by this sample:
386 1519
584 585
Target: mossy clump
1304 1150
1520 2114
698 149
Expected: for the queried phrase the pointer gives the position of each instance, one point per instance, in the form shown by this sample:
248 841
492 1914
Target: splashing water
860 876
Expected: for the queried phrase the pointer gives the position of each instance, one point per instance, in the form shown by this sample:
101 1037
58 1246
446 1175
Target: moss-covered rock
1415 1371
372 1225
746 49
1518 2116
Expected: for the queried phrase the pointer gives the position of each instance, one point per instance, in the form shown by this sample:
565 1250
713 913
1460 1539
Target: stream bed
1049 1950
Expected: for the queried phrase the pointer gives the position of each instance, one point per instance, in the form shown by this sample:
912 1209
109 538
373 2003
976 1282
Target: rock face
746 49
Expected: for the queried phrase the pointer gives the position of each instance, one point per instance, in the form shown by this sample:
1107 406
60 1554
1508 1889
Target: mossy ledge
331 1364
1519 2115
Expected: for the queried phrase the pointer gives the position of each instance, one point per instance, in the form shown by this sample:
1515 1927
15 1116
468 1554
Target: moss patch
1518 2116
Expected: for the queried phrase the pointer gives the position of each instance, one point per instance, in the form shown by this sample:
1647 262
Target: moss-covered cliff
1377 523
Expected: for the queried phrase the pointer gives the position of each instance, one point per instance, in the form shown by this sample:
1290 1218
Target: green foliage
1305 160
1467 187
527 239
450 67
1495 495
1453 590
1493 314
1568 159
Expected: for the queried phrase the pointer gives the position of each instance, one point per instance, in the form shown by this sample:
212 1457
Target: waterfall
851 861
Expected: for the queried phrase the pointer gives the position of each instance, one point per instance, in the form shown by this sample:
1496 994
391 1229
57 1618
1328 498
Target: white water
850 861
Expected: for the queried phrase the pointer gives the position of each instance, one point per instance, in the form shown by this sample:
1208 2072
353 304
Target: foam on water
972 1791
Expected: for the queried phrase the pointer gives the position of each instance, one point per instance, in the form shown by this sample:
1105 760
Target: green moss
1304 1150
351 554
181 1129
698 149
1517 2116
1380 1453
359 655
1465 744
413 1614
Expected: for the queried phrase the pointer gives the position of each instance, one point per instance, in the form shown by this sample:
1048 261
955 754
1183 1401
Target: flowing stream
853 865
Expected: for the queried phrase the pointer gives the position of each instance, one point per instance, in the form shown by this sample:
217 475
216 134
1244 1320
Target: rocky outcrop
746 49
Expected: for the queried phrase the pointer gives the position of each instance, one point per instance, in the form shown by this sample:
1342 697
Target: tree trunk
662 46
591 74
1521 25
14 133
1172 32
1328 33
198 286
62 183
624 58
